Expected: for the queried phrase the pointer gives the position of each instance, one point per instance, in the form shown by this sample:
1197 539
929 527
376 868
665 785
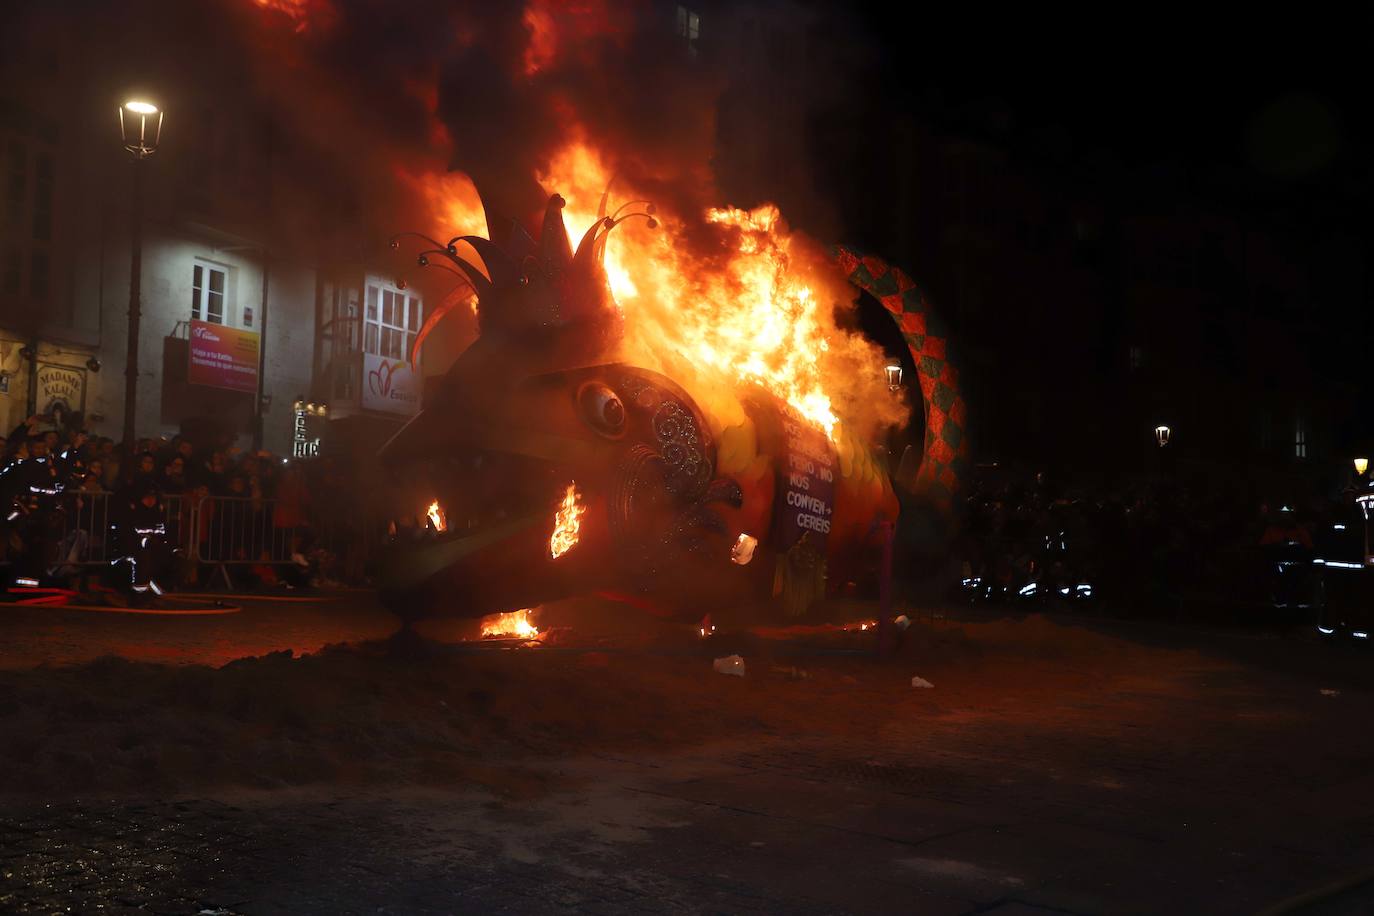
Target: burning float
570 457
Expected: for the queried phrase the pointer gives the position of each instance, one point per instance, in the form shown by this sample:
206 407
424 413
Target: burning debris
566 523
436 517
511 624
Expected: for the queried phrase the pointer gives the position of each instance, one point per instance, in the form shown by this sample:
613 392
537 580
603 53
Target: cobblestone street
1215 781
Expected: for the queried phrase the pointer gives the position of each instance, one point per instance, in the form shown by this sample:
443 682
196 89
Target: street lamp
893 371
1361 465
140 123
1162 435
140 127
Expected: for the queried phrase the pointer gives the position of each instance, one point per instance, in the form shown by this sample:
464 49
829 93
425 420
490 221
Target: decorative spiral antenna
551 285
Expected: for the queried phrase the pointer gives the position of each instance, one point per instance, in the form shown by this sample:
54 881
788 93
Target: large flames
712 297
760 308
510 624
567 521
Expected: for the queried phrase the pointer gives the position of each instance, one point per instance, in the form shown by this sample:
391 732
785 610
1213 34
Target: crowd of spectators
69 498
72 502
1156 546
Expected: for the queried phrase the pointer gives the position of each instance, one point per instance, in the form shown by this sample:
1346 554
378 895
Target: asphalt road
1098 768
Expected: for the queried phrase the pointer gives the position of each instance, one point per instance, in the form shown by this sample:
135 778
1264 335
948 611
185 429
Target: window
1135 355
392 321
1300 439
688 28
207 293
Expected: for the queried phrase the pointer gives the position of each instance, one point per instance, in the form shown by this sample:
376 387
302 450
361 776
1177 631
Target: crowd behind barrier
198 514
72 506
1155 547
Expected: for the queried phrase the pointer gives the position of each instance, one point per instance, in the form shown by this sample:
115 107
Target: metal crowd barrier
214 529
240 529
83 532
78 531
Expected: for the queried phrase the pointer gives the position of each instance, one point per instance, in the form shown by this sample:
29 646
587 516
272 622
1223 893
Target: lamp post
1364 499
1162 434
893 371
262 356
140 125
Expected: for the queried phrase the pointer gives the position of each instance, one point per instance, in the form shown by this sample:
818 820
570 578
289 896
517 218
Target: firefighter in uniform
139 534
29 491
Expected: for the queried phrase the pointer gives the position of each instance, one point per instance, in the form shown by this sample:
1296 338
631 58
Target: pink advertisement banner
223 357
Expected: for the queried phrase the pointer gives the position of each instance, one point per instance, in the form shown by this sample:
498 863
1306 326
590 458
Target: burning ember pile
514 624
566 523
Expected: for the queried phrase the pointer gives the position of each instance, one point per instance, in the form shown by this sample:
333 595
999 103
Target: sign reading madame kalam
223 357
61 387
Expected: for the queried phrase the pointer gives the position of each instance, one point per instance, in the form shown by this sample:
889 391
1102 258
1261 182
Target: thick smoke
534 77
337 97
364 106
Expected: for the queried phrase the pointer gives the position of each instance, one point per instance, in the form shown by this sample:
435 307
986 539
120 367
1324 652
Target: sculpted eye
602 409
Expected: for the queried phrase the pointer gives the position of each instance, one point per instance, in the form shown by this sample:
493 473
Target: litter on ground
730 664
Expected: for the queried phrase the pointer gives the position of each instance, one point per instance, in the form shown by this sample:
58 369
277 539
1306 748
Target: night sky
1274 111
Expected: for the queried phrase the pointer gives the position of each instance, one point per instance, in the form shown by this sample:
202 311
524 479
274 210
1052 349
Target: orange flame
718 299
759 311
436 517
566 522
511 623
452 199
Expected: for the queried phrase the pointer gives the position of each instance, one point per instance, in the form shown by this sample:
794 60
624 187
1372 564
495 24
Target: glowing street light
140 126
140 123
1162 435
1361 465
893 371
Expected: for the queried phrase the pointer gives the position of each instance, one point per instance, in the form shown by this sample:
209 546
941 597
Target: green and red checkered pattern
946 458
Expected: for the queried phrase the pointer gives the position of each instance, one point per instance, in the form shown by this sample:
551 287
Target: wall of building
169 258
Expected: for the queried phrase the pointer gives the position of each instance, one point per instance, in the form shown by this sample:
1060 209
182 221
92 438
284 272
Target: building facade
240 321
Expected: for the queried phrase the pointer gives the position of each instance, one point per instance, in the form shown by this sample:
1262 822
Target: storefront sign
223 357
390 385
304 445
59 387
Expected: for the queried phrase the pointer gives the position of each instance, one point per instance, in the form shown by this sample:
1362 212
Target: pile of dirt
399 711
